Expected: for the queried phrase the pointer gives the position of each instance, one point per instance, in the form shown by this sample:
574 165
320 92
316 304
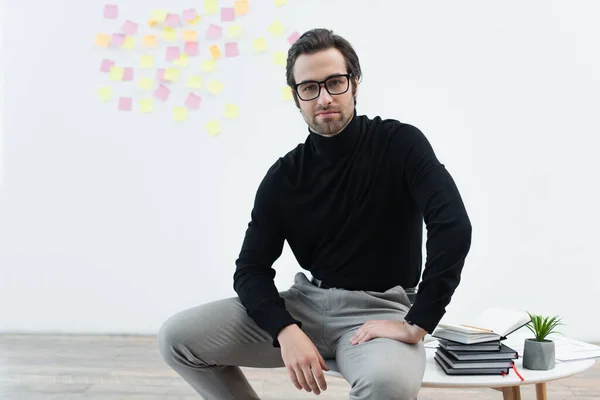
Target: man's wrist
415 329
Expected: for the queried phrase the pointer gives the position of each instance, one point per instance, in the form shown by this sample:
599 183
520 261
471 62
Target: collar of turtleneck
338 145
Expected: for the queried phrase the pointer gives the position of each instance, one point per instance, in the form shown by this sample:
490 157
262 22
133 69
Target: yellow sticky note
169 34
105 93
182 61
231 111
146 105
180 113
195 82
286 94
280 58
149 41
277 29
234 31
259 45
213 127
280 3
194 21
209 65
159 16
129 43
102 40
240 7
171 74
215 87
147 61
215 52
145 83
117 73
211 7
190 36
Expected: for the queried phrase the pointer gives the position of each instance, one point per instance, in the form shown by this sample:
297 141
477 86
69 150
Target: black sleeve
448 226
262 246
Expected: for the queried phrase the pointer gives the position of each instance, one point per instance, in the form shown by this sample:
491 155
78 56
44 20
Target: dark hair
317 40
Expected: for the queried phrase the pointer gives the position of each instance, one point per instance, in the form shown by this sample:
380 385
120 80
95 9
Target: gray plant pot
539 355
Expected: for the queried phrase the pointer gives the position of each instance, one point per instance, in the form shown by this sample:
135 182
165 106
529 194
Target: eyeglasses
335 85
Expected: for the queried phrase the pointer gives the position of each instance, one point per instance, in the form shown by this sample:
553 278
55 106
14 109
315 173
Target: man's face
327 114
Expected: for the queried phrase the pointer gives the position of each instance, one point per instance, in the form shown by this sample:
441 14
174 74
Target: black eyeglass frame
319 83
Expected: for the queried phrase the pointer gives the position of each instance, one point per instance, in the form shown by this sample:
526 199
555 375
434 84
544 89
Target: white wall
111 222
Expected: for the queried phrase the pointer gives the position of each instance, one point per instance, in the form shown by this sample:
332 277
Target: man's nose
324 97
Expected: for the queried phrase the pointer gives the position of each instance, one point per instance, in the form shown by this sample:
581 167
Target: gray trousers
207 344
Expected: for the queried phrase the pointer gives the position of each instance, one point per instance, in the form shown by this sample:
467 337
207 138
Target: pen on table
481 329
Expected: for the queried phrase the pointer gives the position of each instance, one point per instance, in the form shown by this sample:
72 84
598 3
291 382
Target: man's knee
383 383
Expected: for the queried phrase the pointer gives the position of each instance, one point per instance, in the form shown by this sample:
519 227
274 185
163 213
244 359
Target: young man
350 201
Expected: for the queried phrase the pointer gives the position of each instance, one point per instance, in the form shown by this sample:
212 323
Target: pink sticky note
106 64
191 48
227 14
125 103
172 20
193 101
231 49
293 37
111 11
214 31
160 75
172 53
162 93
128 74
190 14
130 28
117 39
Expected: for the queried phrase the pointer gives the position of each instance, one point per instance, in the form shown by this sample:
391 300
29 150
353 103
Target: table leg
540 391
511 393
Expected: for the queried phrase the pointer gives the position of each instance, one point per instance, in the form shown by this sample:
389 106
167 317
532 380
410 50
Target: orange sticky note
102 40
152 23
190 36
215 52
149 41
240 7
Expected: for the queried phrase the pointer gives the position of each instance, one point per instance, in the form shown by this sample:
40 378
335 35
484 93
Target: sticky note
193 101
190 14
172 53
231 111
195 82
259 45
214 31
102 40
147 61
105 93
209 65
145 83
117 39
293 37
129 43
116 73
231 49
189 36
111 11
171 74
127 74
172 20
234 31
191 49
213 127
146 105
215 52
182 61
152 23
276 29
211 7
149 41
194 21
130 28
180 113
106 64
280 3
125 103
169 34
286 93
280 58
162 93
240 7
160 75
215 87
227 14
159 16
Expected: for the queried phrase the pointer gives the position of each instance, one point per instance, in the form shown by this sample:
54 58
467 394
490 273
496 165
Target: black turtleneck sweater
352 207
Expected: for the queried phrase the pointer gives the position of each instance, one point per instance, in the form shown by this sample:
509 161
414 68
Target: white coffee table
509 385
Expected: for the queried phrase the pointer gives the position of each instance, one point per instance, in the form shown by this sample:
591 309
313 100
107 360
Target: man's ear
355 87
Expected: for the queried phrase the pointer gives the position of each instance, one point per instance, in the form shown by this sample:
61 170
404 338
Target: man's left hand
397 330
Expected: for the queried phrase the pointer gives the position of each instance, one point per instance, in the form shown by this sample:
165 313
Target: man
350 201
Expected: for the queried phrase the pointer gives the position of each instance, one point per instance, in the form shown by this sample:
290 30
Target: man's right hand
302 360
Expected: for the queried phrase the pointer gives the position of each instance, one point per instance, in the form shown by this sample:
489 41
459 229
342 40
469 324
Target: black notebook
470 371
455 346
466 364
504 353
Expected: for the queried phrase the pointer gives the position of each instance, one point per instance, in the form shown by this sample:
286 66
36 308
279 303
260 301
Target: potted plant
539 353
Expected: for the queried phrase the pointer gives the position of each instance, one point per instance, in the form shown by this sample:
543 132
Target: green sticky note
116 73
280 58
159 16
231 111
171 74
146 105
169 34
259 45
147 61
180 113
234 31
145 83
277 29
195 82
182 61
129 43
209 65
286 94
105 93
280 3
215 87
211 7
213 127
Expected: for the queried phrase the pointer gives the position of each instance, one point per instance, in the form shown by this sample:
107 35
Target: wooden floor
57 367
